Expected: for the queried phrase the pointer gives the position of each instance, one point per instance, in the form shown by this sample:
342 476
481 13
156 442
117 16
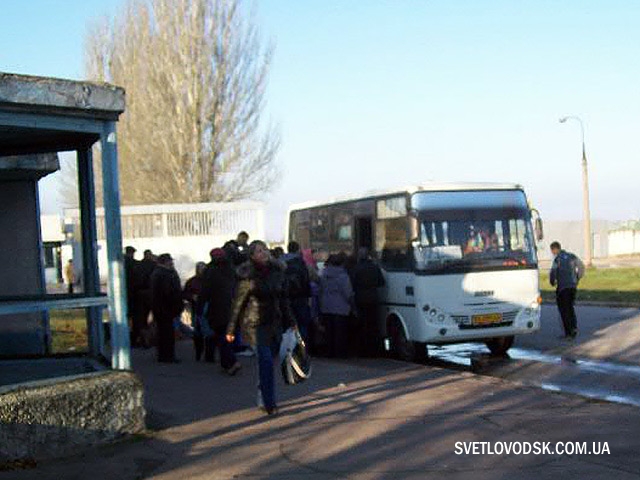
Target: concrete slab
59 416
31 167
50 94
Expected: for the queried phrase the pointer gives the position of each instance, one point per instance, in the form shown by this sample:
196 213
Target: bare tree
195 74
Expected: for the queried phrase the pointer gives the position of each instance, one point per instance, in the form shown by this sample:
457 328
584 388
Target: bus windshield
482 235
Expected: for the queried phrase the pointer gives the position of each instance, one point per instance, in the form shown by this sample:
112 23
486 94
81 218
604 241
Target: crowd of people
246 296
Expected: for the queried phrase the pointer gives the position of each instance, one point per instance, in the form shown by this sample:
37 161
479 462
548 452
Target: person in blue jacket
566 272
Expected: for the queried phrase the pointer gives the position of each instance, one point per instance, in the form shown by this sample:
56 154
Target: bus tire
500 345
401 348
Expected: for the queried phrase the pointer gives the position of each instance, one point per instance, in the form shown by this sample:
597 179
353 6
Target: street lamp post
585 195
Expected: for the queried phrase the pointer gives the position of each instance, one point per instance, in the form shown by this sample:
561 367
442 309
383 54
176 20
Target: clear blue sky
376 94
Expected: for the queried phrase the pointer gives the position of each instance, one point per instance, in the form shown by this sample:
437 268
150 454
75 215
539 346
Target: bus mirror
539 229
414 226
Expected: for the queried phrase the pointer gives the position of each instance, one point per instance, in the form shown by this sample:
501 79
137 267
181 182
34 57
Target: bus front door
364 233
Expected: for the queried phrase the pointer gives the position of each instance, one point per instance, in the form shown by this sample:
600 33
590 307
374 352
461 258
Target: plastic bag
295 361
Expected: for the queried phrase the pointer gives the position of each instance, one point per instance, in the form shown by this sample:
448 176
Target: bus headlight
433 312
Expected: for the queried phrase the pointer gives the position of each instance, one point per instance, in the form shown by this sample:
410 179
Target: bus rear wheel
499 346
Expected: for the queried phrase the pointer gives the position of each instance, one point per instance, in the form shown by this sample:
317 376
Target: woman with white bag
263 311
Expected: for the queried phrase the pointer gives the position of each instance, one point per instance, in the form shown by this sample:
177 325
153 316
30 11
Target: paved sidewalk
360 419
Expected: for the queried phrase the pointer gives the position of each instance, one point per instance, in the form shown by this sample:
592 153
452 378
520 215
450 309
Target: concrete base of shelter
54 417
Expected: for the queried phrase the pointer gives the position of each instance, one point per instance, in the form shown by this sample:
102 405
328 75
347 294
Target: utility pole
586 208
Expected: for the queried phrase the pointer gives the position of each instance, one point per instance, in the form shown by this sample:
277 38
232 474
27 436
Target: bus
459 260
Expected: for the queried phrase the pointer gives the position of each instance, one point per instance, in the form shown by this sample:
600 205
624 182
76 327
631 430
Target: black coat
367 278
166 293
146 267
218 291
133 280
297 275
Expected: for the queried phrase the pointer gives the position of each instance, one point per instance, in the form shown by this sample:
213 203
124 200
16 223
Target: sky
372 94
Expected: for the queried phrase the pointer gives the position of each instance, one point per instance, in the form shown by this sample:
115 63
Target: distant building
569 234
53 239
625 240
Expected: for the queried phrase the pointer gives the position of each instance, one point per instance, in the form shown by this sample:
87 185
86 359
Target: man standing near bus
299 286
566 272
367 279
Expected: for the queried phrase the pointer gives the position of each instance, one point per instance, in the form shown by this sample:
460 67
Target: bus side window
299 228
392 233
341 237
392 243
319 228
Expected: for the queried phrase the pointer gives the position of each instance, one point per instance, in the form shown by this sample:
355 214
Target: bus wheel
401 348
500 345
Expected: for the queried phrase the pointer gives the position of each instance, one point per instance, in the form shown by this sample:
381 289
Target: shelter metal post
90 272
121 350
46 320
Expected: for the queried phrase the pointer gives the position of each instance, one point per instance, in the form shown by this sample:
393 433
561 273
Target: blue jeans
266 354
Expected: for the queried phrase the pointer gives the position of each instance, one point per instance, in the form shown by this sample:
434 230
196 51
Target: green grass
68 331
615 285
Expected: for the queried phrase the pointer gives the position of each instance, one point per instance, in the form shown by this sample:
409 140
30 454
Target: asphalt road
603 362
355 419
382 419
611 334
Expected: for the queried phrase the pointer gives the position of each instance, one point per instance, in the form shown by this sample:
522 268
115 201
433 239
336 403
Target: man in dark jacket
242 242
133 283
219 287
192 293
367 279
166 304
566 272
299 288
143 298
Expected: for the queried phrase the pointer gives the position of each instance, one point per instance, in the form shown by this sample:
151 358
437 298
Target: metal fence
187 231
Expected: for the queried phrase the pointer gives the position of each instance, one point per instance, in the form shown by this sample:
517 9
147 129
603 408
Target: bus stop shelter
38 118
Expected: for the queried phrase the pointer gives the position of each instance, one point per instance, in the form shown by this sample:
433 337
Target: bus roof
426 187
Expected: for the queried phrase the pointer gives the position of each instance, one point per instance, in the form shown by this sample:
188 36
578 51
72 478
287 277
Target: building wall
569 234
624 242
52 228
21 266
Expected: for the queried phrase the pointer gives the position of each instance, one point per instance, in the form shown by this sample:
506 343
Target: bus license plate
488 319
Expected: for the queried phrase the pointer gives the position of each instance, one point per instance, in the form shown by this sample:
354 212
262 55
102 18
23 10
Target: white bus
459 260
